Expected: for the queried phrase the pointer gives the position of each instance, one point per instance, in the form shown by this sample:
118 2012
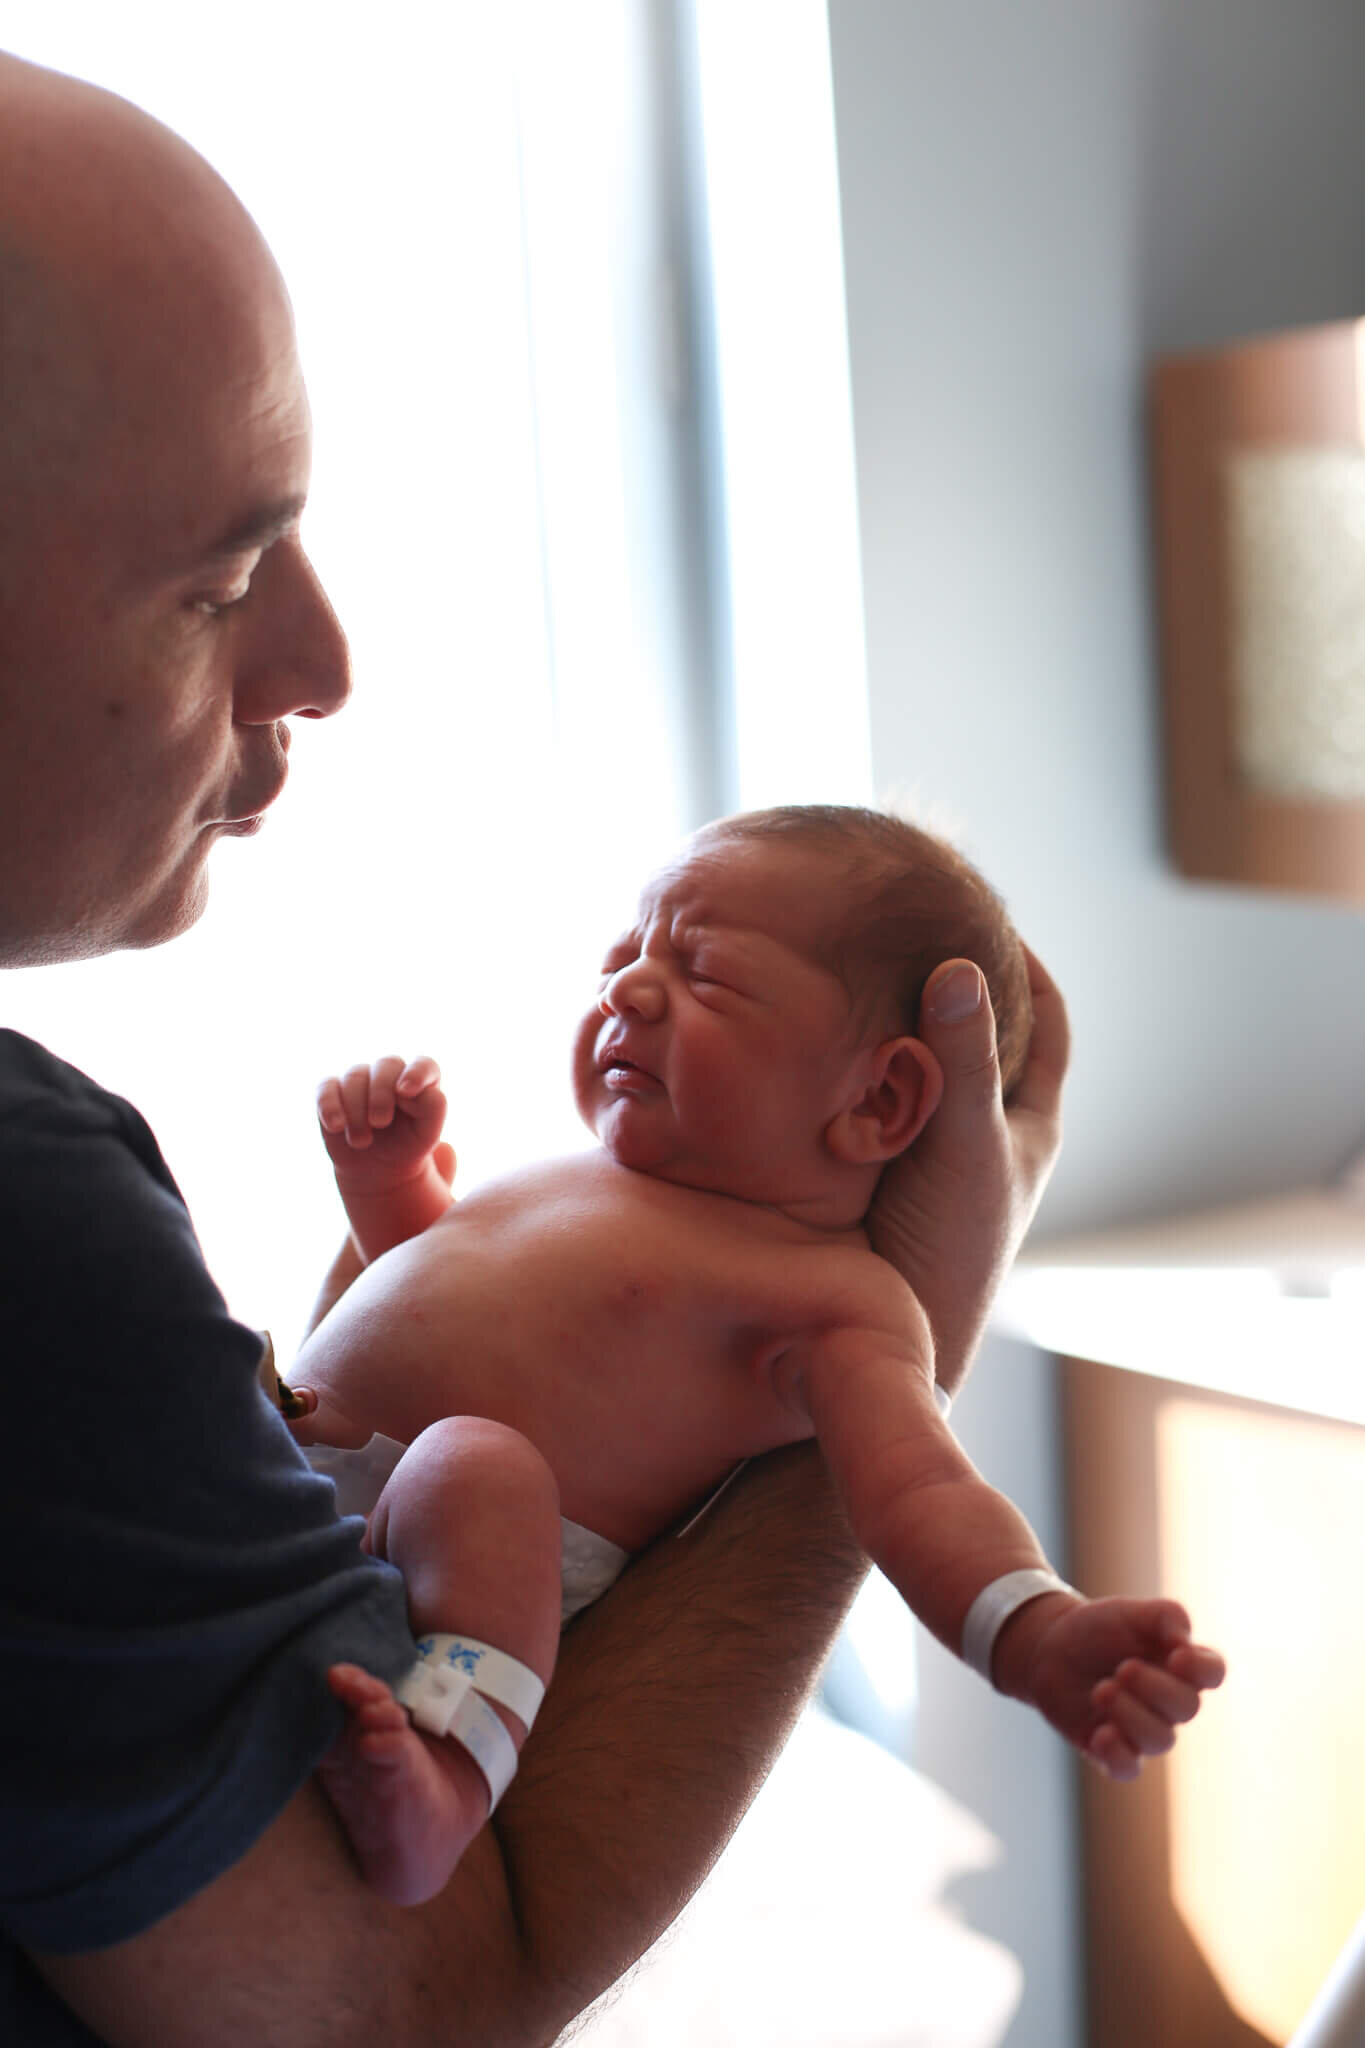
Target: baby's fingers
1110 1753
359 1102
1141 1714
375 1101
417 1075
353 1100
1197 1666
331 1109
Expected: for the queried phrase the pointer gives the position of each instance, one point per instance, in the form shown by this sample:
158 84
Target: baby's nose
638 988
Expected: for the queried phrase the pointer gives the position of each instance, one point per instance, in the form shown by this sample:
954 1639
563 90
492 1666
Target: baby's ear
902 1083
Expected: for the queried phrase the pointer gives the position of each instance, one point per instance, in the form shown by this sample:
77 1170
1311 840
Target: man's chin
172 914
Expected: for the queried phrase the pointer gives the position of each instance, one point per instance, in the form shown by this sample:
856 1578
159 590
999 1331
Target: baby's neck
832 1211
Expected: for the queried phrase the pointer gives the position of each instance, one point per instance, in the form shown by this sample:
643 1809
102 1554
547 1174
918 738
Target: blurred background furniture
1336 2018
1213 1406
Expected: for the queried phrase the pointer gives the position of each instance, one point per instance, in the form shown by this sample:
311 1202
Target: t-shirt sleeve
174 1581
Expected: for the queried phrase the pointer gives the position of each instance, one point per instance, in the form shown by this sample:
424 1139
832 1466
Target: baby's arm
1115 1676
381 1125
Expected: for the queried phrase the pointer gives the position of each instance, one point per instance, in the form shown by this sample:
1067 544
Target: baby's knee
484 1464
473 1524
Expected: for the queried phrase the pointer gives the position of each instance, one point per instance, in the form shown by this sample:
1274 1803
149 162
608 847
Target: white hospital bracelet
491 1672
994 1605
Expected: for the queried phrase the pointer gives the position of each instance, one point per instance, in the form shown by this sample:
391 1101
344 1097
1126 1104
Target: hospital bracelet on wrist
994 1605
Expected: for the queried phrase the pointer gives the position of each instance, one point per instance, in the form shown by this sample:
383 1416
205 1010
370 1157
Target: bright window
461 198
583 497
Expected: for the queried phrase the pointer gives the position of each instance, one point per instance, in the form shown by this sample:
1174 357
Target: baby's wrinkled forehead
778 893
692 883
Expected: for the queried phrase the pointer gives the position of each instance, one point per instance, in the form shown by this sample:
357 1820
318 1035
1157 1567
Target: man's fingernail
957 995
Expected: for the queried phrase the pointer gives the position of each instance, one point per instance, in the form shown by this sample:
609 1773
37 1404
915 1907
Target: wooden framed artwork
1258 493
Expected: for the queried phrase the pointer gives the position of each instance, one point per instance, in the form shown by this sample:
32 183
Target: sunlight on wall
1267 1806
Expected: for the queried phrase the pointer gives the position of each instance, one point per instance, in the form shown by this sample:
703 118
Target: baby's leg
470 1517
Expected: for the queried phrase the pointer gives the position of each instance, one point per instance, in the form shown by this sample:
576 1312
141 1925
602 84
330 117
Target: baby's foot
411 1803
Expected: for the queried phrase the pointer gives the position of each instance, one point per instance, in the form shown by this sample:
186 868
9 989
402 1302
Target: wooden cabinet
1219 1888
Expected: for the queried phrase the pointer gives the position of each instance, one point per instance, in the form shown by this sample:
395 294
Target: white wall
1036 196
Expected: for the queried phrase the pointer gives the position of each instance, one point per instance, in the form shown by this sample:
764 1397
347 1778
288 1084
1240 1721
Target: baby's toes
360 1690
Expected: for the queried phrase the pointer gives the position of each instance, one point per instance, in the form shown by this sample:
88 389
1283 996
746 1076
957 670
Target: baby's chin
622 1136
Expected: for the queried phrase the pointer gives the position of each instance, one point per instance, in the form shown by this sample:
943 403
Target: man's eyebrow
260 527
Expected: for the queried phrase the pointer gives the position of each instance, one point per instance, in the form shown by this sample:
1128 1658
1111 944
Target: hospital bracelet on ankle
992 1608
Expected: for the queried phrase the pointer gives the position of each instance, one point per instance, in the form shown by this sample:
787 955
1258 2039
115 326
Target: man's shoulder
28 1070
34 1080
77 1163
44 1098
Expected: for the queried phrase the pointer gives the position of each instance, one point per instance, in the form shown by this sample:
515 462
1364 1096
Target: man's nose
638 990
296 662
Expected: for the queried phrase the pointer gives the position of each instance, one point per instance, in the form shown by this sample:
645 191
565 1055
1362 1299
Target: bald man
173 1582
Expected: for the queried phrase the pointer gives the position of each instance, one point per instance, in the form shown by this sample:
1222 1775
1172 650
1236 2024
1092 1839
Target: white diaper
589 1563
358 1476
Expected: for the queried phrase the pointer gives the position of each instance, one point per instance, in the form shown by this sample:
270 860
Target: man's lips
250 815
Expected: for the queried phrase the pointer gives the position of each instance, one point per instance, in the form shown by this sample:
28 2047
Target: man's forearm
670 1702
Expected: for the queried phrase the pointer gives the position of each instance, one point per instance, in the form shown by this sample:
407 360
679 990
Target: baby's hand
1118 1678
381 1124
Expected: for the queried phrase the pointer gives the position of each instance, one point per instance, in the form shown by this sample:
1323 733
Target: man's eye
212 607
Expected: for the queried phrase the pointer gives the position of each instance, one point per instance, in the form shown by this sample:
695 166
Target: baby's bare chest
632 1342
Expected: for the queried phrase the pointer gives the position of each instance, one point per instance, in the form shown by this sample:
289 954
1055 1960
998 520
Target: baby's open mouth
615 1065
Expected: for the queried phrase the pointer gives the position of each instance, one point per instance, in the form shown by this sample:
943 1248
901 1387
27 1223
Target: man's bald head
119 248
158 618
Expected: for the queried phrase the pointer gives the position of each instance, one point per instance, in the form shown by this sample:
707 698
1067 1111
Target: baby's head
903 902
755 1032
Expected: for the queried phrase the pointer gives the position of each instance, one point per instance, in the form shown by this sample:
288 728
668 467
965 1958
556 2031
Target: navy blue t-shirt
174 1580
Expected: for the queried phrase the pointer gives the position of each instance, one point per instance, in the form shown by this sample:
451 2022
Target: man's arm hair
672 1698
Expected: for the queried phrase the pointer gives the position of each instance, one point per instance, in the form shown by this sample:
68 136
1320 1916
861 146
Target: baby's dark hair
914 903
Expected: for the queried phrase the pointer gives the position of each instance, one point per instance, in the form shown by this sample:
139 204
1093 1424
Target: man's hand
951 1213
381 1124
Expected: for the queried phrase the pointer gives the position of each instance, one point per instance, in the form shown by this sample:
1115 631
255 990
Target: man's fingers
957 1024
1039 1088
